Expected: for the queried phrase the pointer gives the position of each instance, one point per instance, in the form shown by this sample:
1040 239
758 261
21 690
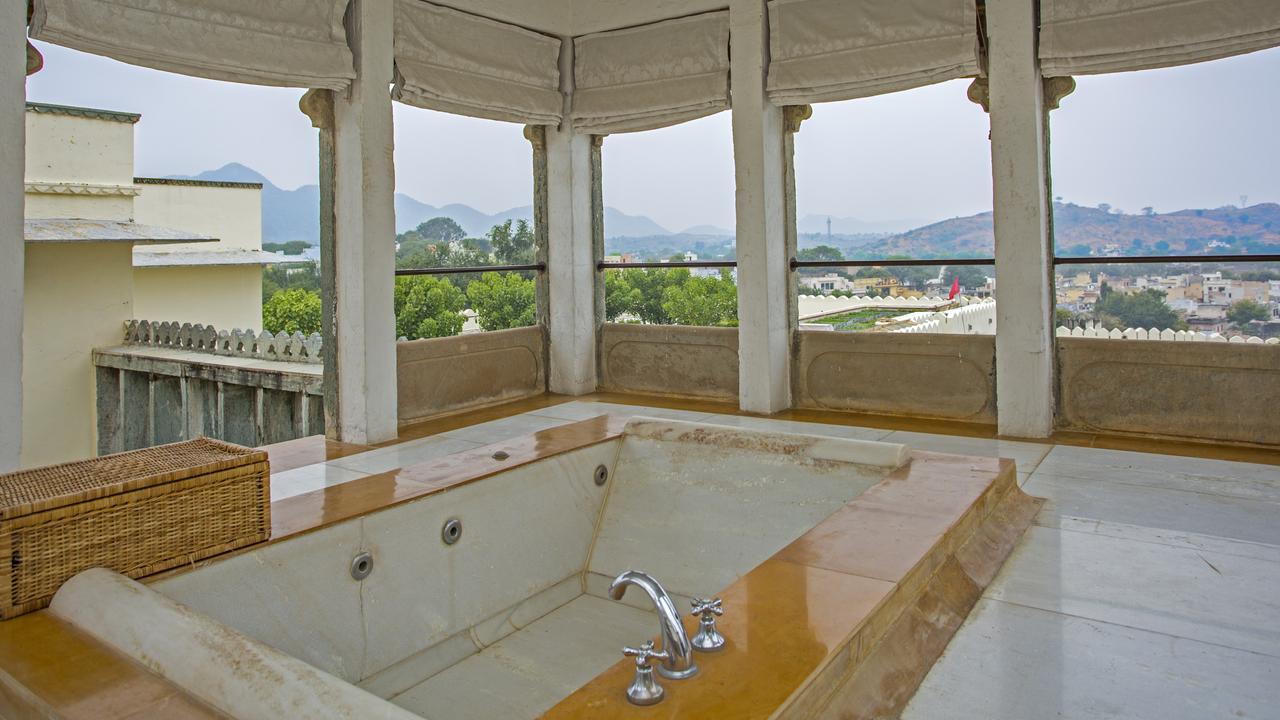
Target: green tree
293 247
442 229
651 285
503 300
619 297
1145 309
304 276
427 307
703 301
1062 317
512 245
971 278
824 253
1242 312
291 311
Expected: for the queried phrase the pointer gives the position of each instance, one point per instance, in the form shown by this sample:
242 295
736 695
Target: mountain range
1080 231
294 215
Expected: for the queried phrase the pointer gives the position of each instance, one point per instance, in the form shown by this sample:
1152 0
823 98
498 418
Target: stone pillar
1023 252
360 365
764 338
573 319
13 72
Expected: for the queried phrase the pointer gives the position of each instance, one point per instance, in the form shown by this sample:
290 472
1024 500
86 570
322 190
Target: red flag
955 288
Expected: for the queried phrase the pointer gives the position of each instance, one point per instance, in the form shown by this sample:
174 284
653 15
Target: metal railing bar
1157 259
602 265
797 264
540 267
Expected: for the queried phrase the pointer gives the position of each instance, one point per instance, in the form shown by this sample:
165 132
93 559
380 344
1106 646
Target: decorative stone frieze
95 189
281 346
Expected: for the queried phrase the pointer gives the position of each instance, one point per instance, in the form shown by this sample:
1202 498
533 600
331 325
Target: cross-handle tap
679 663
644 689
708 638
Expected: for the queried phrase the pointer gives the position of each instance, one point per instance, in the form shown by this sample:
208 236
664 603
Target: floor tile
572 411
504 429
1221 477
1162 536
1016 663
1211 597
309 477
1026 454
798 427
1233 517
403 454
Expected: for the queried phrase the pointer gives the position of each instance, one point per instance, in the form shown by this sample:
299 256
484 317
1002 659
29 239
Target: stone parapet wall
1200 390
925 375
678 360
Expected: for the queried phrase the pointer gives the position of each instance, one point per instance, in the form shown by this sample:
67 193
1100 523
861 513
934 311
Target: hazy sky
1196 136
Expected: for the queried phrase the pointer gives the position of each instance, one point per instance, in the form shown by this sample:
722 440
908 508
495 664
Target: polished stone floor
1149 586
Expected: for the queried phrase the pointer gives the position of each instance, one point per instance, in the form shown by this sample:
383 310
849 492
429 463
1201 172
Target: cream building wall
79 163
78 297
182 293
217 284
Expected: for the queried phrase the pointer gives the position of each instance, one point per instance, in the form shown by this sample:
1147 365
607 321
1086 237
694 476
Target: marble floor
1148 587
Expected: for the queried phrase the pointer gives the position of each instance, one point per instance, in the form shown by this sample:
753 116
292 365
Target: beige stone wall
78 296
941 376
233 215
98 207
69 149
225 296
442 375
669 360
1210 391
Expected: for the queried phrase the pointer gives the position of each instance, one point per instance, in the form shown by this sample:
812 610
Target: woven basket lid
53 486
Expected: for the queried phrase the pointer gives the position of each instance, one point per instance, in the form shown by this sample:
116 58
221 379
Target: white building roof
81 230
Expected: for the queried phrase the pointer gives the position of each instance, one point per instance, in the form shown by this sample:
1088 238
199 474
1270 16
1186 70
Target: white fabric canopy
651 76
822 50
293 43
1096 36
466 64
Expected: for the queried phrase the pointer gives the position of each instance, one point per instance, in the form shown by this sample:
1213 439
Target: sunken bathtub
477 585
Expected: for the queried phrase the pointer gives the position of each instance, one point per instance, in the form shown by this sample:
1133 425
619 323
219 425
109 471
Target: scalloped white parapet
294 347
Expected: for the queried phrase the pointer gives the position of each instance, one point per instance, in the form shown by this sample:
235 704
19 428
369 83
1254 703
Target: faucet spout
675 641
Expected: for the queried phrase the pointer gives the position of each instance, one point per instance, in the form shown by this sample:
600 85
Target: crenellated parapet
281 346
1166 334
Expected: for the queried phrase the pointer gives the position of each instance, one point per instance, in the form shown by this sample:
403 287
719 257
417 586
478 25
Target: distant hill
295 214
1082 231
817 224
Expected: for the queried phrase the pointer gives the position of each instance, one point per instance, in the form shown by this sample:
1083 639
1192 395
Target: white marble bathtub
514 616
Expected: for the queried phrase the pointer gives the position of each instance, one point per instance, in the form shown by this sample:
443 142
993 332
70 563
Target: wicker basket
137 512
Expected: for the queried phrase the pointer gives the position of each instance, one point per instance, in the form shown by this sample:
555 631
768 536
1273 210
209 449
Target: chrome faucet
678 663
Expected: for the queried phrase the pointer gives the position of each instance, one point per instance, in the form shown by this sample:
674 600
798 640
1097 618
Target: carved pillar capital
1056 88
980 93
537 135
317 104
597 141
793 115
35 61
